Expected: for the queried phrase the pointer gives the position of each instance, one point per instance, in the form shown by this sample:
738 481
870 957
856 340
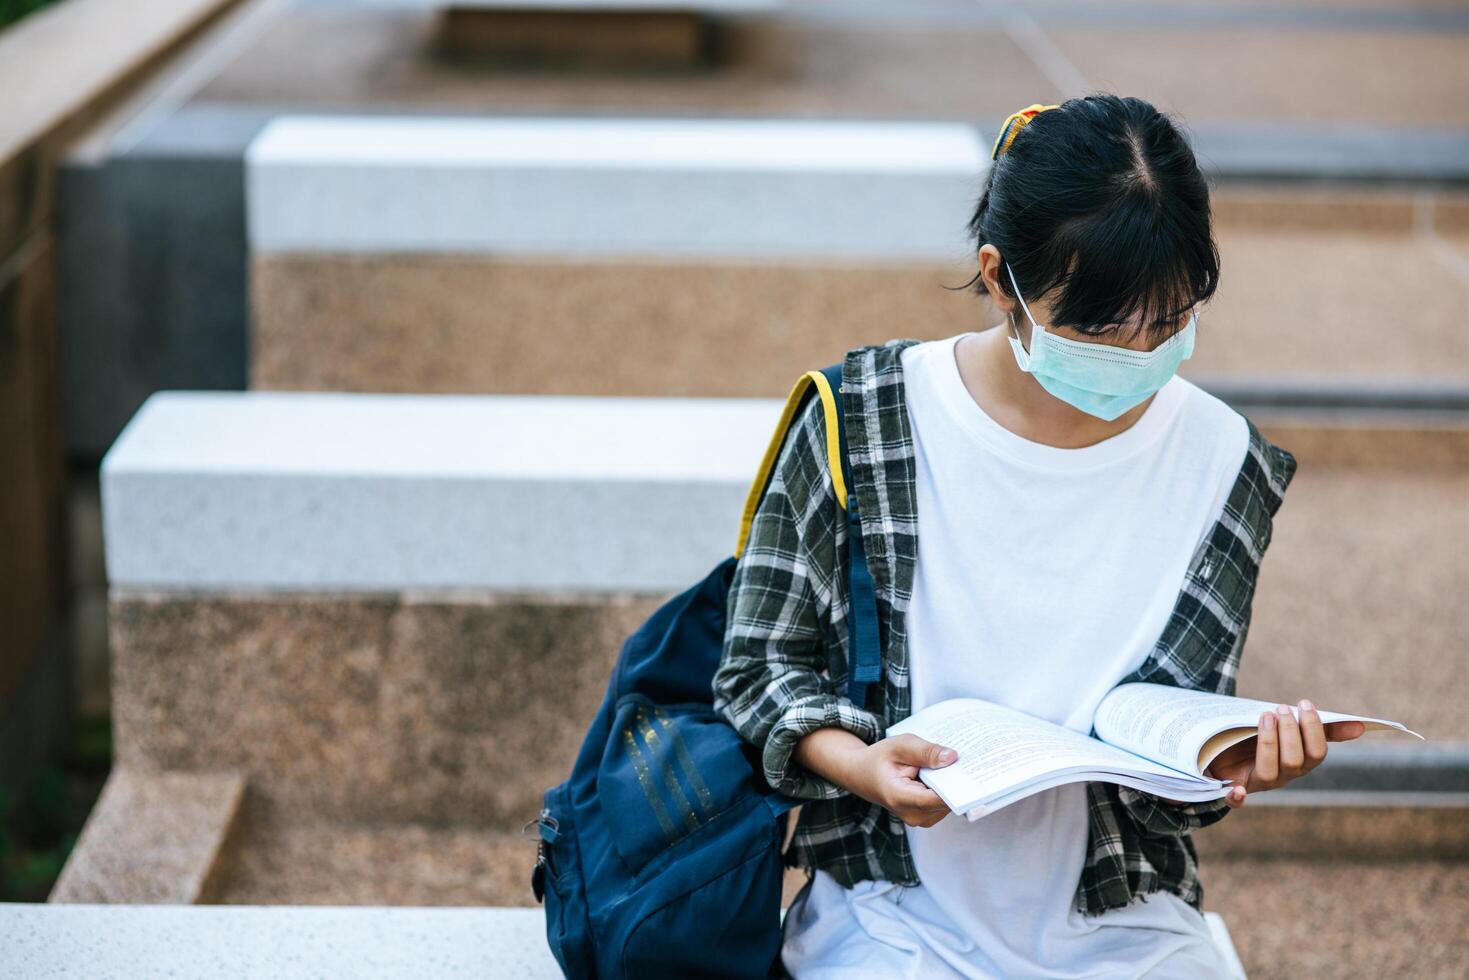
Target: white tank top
1044 575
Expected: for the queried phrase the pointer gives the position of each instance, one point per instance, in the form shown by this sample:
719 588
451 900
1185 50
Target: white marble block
330 491
278 942
753 188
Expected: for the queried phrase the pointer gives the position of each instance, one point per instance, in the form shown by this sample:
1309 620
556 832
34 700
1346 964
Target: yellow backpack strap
787 415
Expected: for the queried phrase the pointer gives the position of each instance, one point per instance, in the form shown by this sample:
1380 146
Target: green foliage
39 826
92 747
14 10
30 859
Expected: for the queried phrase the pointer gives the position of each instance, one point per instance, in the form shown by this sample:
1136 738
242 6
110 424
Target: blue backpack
660 856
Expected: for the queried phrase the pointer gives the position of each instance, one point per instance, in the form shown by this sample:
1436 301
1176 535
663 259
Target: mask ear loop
1034 326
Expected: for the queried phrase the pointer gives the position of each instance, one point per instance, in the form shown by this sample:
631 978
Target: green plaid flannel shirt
783 670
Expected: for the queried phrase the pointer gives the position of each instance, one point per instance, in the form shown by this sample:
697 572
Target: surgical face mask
1100 379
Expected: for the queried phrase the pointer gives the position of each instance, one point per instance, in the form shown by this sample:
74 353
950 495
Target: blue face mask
1100 379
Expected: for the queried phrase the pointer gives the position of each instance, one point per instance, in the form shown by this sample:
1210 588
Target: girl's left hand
1283 750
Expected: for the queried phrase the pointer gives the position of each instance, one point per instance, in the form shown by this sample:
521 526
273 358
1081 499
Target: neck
1016 400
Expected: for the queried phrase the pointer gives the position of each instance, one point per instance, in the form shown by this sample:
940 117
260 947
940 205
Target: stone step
763 188
636 35
1342 918
1368 825
281 942
773 253
1227 63
290 942
374 606
170 184
154 838
1295 915
354 492
1293 918
190 838
511 322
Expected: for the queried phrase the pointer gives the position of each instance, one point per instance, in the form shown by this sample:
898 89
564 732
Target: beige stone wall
389 708
469 324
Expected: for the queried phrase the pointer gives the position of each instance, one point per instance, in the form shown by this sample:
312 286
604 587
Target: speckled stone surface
388 702
1341 919
356 717
1261 206
317 491
1314 77
355 56
500 324
766 189
1264 828
1358 601
282 854
153 837
1367 443
1281 308
614 39
371 708
1286 919
287 853
932 60
681 327
130 942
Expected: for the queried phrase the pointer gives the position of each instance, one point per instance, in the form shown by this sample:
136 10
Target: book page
1002 750
1187 729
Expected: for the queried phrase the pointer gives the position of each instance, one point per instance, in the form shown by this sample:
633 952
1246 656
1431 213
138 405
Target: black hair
1102 197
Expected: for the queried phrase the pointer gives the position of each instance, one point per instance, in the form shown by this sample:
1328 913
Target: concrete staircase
338 637
347 607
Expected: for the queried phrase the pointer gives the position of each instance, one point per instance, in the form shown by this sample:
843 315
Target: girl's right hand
886 772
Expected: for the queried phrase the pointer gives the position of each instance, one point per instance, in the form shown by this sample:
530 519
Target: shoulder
874 366
872 389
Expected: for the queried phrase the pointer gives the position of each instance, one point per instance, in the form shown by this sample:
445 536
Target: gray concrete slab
154 268
762 189
152 261
1386 399
356 492
1265 149
1432 773
929 61
296 942
130 942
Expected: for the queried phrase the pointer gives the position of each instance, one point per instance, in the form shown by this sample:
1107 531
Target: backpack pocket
667 771
558 877
718 916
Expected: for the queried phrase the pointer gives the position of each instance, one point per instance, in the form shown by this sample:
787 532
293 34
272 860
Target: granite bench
597 256
130 942
331 609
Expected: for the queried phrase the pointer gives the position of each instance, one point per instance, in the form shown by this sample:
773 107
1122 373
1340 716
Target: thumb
921 752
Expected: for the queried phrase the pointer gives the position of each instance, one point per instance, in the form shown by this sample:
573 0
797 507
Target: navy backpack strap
866 668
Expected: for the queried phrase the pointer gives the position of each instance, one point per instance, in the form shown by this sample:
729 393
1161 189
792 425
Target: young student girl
1087 517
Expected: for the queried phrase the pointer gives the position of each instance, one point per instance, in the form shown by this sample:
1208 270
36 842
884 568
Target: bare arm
885 772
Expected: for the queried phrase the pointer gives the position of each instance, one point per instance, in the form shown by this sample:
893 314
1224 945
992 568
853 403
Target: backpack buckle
547 827
547 830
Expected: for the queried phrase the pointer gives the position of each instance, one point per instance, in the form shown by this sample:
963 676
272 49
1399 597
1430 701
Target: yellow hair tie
1014 123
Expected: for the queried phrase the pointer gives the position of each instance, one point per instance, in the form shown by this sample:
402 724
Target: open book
1151 737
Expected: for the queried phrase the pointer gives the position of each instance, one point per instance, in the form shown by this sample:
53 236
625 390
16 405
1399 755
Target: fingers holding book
885 772
1286 747
891 770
